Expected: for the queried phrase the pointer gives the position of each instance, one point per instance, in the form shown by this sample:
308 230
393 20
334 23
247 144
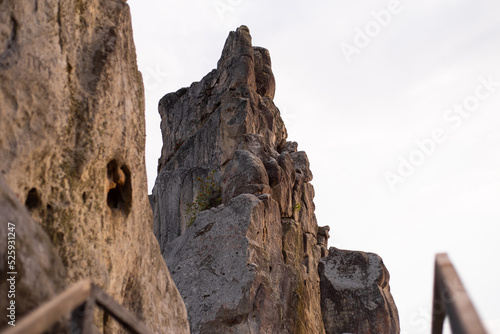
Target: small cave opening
33 200
119 196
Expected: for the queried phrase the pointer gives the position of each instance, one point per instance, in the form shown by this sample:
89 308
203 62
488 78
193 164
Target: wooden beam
83 316
45 316
117 311
450 293
438 305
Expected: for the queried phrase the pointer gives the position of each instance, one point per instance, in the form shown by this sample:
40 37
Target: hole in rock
33 200
119 187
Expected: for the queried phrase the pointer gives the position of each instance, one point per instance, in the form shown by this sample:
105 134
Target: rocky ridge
234 212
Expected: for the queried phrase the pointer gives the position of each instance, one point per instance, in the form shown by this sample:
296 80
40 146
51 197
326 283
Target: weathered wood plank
45 316
450 298
438 305
117 311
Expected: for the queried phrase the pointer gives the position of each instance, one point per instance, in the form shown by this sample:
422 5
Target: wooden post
117 311
450 298
438 306
82 317
80 299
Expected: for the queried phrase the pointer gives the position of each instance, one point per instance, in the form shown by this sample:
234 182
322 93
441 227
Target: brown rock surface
72 138
355 294
38 270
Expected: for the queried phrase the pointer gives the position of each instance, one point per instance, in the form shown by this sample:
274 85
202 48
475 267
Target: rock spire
233 204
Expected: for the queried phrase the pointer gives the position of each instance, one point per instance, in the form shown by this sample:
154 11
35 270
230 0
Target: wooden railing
80 299
451 299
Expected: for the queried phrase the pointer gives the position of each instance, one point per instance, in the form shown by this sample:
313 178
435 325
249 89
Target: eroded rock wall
246 258
248 265
72 138
34 272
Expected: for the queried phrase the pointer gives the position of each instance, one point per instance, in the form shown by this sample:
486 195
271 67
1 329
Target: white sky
357 119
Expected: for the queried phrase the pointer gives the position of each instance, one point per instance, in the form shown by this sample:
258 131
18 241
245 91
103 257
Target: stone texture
40 272
226 266
230 269
355 294
250 264
72 150
245 174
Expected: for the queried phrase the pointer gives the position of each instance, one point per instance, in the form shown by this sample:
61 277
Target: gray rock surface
245 174
230 270
39 272
226 266
355 294
72 138
250 264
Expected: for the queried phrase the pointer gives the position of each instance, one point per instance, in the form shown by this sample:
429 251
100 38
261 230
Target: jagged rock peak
234 211
259 76
240 90
250 263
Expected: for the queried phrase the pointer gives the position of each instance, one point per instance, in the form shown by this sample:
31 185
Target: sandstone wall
72 138
38 272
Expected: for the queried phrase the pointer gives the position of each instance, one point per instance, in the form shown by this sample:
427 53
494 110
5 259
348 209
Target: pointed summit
233 203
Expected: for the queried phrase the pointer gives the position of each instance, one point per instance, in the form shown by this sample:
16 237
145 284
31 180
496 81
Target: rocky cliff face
72 141
233 205
248 265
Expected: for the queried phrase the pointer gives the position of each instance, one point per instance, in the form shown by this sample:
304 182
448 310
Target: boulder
245 174
355 294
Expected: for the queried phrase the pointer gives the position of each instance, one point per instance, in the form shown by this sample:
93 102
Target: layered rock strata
72 138
233 204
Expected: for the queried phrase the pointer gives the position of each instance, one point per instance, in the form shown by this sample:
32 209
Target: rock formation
233 204
248 265
72 138
40 272
356 285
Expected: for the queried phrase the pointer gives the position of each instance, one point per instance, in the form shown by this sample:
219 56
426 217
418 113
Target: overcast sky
396 104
